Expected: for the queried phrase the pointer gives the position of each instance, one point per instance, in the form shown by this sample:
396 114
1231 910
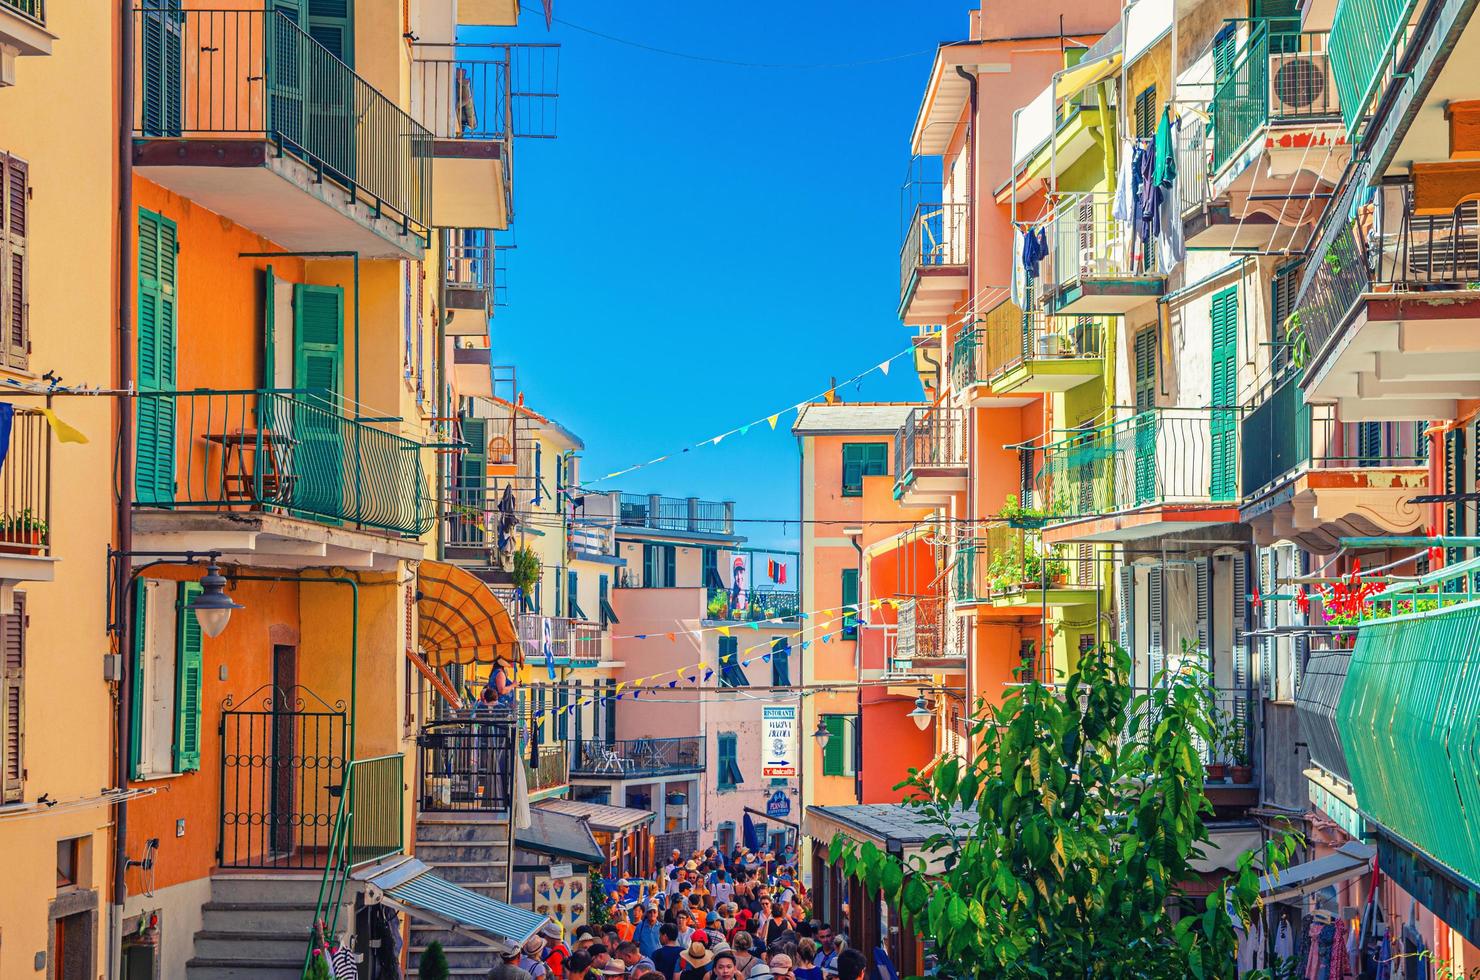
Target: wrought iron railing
677 514
1011 338
290 452
937 236
551 767
1194 163
1368 40
931 438
1086 241
467 763
1279 75
33 9
751 605
1003 560
1161 456
637 757
25 486
562 640
488 92
250 74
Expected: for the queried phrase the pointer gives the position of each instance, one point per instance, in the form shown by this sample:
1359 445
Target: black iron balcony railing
32 9
931 438
549 769
1162 456
1280 75
678 514
25 486
564 641
1283 436
250 74
486 92
937 236
637 757
1008 338
467 763
291 452
751 605
476 261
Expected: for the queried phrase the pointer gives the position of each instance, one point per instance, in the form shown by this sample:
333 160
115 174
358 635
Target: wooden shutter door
154 477
13 701
1223 423
836 751
14 297
319 457
162 26
331 23
187 681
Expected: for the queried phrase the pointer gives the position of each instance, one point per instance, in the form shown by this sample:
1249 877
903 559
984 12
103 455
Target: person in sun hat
696 959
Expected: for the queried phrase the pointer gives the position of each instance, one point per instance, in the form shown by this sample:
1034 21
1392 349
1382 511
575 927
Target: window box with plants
24 533
1019 516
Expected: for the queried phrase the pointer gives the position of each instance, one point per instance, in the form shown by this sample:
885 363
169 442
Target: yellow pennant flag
722 630
772 419
831 396
65 432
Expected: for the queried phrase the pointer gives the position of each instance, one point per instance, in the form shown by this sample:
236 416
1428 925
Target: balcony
562 641
1007 568
685 515
928 638
637 758
1312 479
473 286
279 474
1090 269
1163 470
754 606
1389 313
930 456
495 13
466 764
1279 92
550 770
933 272
22 33
25 504
244 113
1232 777
1015 353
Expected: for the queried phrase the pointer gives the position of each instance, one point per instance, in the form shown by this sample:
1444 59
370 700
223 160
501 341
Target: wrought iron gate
282 771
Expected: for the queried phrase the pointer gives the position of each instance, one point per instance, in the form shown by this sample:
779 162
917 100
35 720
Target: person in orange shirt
627 926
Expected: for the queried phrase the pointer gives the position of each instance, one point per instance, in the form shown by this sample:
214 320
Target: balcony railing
1002 560
1278 76
249 74
551 768
32 9
566 641
476 261
1234 720
290 452
1085 241
931 438
1283 435
1368 40
937 236
751 606
678 514
637 757
1010 338
486 92
25 486
1194 163
467 763
1162 456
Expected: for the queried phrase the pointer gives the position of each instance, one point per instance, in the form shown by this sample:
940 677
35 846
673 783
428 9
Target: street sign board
779 805
779 740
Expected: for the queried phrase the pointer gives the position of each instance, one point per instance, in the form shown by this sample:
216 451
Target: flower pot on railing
24 542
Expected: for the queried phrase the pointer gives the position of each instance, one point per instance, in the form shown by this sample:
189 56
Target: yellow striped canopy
461 620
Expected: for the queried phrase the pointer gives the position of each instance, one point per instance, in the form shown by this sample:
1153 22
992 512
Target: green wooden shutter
320 457
318 336
670 566
850 596
853 454
834 755
1145 435
1223 424
781 662
726 760
136 694
187 681
1146 112
473 466
161 27
154 474
876 459
331 23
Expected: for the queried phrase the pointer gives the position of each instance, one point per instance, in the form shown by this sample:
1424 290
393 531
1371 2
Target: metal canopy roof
410 886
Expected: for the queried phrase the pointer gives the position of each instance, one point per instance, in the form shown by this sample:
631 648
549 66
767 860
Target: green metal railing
1294 62
250 74
284 451
368 826
1161 456
552 768
34 9
1365 36
1007 338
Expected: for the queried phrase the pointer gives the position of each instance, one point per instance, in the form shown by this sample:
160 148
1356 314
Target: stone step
473 874
470 831
253 947
445 852
254 917
201 968
300 887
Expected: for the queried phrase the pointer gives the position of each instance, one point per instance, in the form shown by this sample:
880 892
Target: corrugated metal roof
893 823
861 418
599 815
560 834
413 886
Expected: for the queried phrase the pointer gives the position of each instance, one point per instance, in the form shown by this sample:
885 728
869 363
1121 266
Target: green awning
410 886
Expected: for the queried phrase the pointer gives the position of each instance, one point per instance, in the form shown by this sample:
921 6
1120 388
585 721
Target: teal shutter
850 597
136 693
161 25
853 458
650 566
331 23
473 466
269 342
1223 424
318 335
727 767
781 662
320 457
154 472
1145 358
670 566
187 681
836 752
876 459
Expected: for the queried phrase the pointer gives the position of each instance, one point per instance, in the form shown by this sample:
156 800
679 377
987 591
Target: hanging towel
1171 248
1019 280
1123 208
7 420
65 432
1166 151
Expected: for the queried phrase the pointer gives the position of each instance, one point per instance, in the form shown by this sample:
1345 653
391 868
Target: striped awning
411 886
461 620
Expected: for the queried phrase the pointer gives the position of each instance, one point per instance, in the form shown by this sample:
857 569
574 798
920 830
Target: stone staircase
257 926
474 850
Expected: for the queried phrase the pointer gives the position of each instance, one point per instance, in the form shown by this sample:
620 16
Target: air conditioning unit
1301 85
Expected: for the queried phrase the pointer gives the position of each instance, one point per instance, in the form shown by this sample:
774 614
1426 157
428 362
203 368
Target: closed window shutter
650 566
473 469
1146 112
850 597
1145 356
1224 45
1223 421
319 336
876 462
1153 626
852 470
187 681
136 694
670 569
781 662
330 22
834 756
726 761
161 28
154 476
13 701
731 674
14 297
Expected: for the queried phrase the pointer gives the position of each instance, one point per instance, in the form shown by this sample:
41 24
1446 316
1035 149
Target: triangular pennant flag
772 419
766 658
693 678
717 438
802 615
701 665
831 396
806 644
65 432
672 638
884 366
722 630
745 428
673 683
708 674
620 685
635 694
755 626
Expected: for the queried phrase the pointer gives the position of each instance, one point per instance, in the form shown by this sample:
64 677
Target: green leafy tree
598 906
433 963
1065 841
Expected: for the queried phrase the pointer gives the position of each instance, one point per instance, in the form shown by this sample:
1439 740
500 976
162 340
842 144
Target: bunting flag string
828 395
728 628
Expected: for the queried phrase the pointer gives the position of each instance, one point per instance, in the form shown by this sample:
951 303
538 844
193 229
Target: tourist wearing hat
531 960
696 959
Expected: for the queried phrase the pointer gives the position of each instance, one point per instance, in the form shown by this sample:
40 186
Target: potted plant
1216 766
526 571
1058 571
1236 750
719 604
1032 571
24 532
1016 515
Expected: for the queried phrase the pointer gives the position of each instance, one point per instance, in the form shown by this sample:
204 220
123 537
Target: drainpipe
443 410
970 189
123 530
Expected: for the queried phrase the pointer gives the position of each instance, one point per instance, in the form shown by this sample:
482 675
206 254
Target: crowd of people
741 916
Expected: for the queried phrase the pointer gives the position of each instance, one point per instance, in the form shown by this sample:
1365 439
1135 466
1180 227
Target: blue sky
706 243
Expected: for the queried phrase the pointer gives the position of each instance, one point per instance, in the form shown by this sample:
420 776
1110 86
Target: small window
164 736
1146 112
861 459
850 598
729 768
68 861
731 674
15 300
837 758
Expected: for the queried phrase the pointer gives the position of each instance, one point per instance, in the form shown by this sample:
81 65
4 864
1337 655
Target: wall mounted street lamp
822 735
213 607
922 716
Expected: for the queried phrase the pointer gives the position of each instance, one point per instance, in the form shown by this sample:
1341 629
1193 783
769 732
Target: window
837 758
861 459
1025 477
725 836
15 312
164 736
1223 395
729 769
710 570
781 662
1224 44
573 595
1145 357
1282 303
659 563
731 674
850 597
1146 112
69 863
13 702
